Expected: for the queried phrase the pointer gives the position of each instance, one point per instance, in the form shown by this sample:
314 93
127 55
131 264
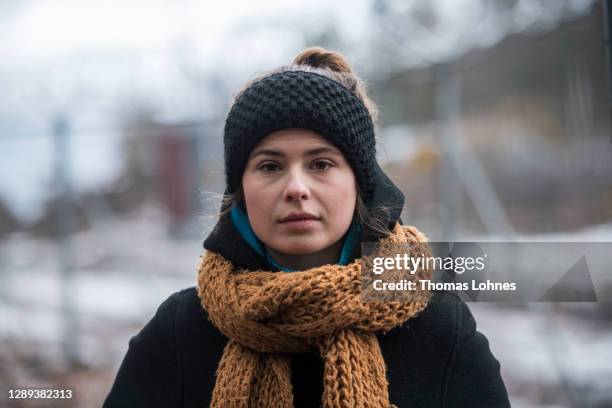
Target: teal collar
242 224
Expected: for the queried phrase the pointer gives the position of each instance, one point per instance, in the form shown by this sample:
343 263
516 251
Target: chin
299 248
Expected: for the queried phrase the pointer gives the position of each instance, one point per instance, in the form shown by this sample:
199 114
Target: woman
277 319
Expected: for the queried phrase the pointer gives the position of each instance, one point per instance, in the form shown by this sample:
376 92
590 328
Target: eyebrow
277 153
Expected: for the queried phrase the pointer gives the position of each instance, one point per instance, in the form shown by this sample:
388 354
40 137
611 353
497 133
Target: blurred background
494 122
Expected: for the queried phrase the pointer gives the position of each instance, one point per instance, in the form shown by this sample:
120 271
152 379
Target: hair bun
318 57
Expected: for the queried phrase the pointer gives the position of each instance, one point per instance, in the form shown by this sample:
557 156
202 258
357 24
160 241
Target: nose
296 188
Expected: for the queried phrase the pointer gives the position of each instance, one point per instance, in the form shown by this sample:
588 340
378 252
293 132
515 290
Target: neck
327 255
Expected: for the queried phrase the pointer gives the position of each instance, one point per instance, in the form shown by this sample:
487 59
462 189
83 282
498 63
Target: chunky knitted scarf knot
269 315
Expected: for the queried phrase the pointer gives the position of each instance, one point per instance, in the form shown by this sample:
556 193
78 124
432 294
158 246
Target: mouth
299 217
300 221
300 225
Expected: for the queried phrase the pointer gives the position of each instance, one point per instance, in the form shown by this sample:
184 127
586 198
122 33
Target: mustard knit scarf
269 315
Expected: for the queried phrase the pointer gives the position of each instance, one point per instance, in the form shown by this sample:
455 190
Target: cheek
340 198
259 202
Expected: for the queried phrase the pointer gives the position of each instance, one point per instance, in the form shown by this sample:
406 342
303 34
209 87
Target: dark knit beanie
300 99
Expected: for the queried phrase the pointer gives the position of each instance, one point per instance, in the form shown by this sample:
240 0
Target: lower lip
300 224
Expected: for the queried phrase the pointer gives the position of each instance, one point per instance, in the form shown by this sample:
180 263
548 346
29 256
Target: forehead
294 139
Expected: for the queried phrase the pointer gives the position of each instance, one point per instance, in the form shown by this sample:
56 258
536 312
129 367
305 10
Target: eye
321 165
268 167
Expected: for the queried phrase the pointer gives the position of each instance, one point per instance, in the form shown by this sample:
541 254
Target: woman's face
300 192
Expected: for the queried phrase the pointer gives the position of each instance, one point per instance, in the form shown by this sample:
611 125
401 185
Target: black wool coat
436 359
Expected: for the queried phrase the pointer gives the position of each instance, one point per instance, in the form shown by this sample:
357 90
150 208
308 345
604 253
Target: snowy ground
552 355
